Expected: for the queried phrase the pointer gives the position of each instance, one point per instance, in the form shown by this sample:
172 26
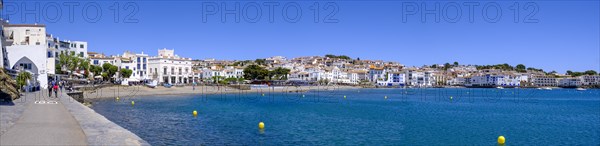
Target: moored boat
152 84
581 89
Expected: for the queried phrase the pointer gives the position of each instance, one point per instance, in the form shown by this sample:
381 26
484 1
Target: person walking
49 90
55 88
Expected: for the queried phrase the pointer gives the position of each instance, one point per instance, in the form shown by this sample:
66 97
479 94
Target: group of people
55 86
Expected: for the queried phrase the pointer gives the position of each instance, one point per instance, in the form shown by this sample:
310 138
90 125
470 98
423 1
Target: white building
79 48
170 68
569 82
138 63
100 59
394 79
590 79
26 50
543 81
420 78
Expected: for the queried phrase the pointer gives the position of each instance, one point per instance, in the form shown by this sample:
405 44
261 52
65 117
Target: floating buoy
385 97
302 95
132 103
195 113
501 140
450 97
344 96
117 98
261 125
263 94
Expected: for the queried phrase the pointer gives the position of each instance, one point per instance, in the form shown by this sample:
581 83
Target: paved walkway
45 121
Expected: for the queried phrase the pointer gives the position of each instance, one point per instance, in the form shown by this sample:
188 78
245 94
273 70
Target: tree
97 70
590 72
446 66
105 76
455 63
106 66
22 78
126 73
112 70
569 72
260 61
340 57
520 68
255 72
279 73
8 86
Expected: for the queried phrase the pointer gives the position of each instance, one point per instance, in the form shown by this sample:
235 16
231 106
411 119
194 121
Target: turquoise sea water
365 117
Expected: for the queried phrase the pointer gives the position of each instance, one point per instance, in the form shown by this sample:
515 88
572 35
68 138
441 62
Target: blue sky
566 35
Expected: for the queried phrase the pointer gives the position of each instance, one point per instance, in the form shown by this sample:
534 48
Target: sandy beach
140 91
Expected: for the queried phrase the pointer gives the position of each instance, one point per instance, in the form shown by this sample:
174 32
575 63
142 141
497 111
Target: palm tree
8 85
22 78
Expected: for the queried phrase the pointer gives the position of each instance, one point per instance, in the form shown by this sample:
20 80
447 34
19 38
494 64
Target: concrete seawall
37 119
99 130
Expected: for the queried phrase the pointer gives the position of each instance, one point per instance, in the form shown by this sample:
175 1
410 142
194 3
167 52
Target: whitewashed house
26 50
170 68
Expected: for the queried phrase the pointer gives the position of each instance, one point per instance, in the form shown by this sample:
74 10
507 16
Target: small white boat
539 88
500 87
152 84
547 88
581 89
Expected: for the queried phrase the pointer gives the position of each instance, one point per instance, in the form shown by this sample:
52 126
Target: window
81 46
144 66
80 54
95 61
26 66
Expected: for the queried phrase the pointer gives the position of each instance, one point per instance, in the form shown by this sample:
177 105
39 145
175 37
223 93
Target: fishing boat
581 89
500 87
547 88
152 84
167 85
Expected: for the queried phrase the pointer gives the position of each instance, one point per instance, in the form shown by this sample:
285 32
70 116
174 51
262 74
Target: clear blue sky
565 37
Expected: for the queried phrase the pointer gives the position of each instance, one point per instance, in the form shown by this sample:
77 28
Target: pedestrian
49 90
55 90
61 86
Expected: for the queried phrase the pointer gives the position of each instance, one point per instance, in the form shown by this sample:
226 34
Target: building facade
26 50
170 68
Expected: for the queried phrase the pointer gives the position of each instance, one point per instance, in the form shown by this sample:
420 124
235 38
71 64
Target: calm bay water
365 117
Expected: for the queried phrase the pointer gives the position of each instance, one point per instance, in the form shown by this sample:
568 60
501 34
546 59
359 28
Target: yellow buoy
261 125
132 103
501 140
195 113
117 98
